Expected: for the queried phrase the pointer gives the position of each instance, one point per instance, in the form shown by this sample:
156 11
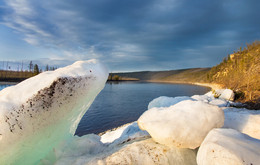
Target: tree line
22 71
240 71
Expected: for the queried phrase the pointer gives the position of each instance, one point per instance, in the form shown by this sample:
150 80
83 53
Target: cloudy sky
127 35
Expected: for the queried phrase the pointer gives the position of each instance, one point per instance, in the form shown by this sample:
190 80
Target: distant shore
213 86
210 85
8 83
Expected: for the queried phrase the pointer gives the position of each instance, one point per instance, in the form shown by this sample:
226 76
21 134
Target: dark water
2 86
124 102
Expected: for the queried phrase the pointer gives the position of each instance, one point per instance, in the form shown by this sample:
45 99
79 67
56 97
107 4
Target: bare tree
30 66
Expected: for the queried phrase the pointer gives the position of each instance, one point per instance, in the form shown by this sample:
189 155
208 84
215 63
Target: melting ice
39 116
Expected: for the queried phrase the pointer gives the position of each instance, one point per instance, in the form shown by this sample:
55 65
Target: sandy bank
210 85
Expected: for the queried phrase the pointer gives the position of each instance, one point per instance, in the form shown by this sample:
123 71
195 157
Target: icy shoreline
39 120
128 144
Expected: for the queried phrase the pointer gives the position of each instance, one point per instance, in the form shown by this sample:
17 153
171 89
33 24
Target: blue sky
127 35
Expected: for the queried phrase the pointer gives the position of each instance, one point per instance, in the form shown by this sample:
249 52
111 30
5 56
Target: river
123 102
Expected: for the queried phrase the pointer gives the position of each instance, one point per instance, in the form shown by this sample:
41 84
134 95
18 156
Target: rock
228 147
184 125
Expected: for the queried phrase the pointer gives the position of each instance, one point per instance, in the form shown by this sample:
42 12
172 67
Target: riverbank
254 105
170 131
8 83
157 137
213 86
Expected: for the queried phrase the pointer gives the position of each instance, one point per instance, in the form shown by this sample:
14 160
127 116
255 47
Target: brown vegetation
113 77
240 72
182 75
15 76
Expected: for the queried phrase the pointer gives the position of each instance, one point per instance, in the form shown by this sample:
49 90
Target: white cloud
132 33
21 7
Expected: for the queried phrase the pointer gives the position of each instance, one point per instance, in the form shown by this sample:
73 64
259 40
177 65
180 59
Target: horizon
158 70
127 36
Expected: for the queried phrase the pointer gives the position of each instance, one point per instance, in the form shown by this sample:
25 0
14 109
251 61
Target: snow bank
225 94
76 151
228 147
123 134
39 112
243 120
164 101
220 98
219 102
147 152
89 150
183 125
203 98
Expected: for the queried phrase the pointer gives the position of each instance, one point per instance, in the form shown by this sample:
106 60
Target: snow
183 125
175 124
203 98
209 98
219 102
187 123
76 150
91 151
164 101
228 147
243 120
209 94
32 112
38 113
227 94
147 152
126 133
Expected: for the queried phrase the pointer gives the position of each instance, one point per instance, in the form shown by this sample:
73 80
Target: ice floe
183 125
89 150
243 120
184 120
164 101
38 113
32 112
219 102
148 152
125 133
225 94
76 151
228 147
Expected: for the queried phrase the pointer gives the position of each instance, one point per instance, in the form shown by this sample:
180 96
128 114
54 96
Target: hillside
240 72
182 75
